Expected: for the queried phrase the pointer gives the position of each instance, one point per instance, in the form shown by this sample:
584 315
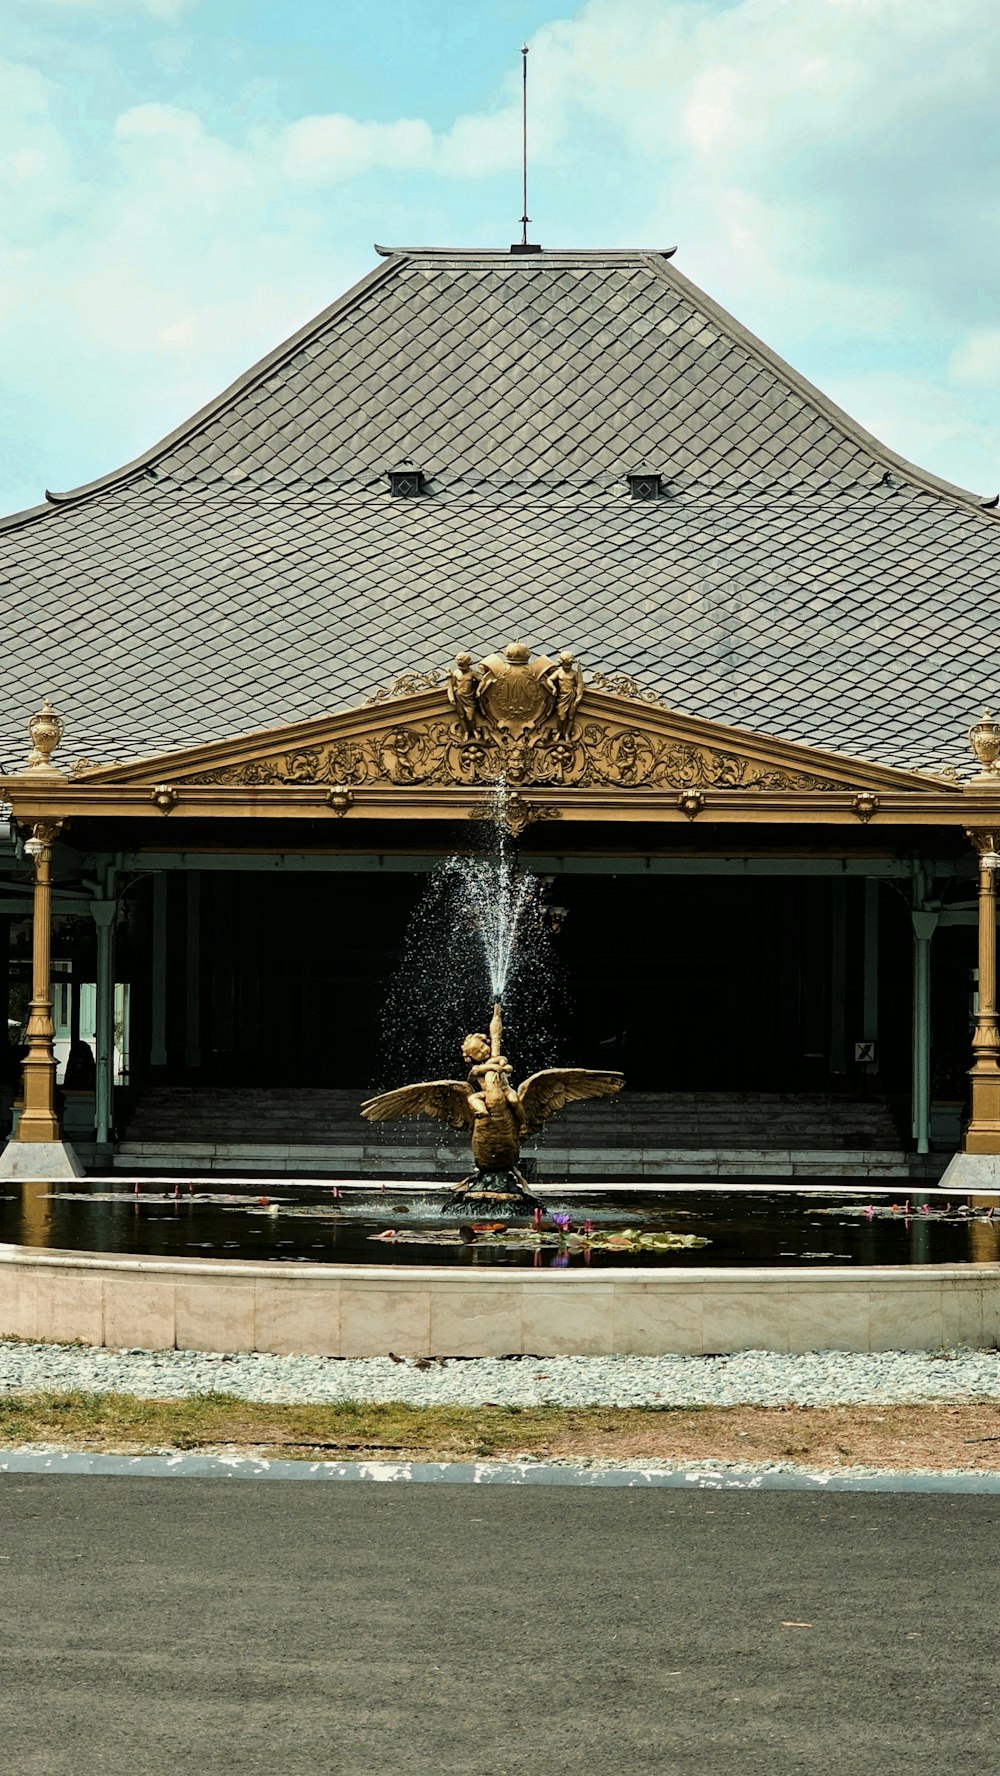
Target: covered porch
243 1039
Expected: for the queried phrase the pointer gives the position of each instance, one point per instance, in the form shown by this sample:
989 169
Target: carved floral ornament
523 720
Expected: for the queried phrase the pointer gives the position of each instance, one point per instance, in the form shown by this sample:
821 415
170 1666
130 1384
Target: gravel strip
749 1378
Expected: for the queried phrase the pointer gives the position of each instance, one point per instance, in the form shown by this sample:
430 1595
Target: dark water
306 1224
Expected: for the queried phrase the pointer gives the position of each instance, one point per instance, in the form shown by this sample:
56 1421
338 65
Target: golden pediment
521 719
602 752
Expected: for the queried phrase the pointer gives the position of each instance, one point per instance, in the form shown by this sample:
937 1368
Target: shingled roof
797 578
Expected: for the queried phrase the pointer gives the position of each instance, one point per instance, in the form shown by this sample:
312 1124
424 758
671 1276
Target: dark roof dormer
645 484
406 482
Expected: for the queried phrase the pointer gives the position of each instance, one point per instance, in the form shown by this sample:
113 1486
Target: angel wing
447 1100
545 1093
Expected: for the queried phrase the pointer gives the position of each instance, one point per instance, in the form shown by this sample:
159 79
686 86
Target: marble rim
732 1276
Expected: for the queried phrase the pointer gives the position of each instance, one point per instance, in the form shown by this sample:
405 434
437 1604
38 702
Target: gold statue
565 682
462 686
498 1116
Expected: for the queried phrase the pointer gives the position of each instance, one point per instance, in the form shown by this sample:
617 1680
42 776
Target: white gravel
758 1378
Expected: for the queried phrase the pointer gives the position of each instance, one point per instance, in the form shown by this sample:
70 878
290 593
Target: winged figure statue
497 1116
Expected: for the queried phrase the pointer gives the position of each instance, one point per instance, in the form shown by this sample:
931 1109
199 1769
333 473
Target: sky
183 183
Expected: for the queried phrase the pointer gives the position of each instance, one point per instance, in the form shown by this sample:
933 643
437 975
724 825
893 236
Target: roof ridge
530 254
801 385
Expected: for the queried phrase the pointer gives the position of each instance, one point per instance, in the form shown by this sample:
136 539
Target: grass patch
940 1436
118 1421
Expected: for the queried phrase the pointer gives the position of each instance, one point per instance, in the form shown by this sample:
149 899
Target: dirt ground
931 1437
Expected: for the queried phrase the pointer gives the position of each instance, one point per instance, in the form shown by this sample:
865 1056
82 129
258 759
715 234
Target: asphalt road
198 1627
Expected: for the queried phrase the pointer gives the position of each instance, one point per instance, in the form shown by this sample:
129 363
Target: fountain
497 1116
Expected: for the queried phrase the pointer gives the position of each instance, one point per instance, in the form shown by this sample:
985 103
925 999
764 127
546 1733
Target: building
750 779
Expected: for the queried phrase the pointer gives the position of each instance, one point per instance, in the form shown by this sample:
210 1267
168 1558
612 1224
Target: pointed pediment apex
529 720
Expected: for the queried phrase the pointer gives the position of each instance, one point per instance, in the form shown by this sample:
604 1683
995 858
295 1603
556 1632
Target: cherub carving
462 685
497 1116
565 681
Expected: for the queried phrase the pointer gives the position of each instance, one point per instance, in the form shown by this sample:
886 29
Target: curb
720 1479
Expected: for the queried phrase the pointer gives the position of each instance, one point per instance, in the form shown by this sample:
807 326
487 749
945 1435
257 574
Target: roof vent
406 483
645 484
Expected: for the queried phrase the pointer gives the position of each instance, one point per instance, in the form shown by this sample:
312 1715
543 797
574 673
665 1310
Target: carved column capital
986 840
44 834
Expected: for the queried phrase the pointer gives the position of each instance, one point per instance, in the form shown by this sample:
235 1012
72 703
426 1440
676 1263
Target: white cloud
331 148
166 10
35 158
339 147
977 359
478 147
172 163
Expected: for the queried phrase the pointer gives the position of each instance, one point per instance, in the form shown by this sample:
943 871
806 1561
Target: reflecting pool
682 1228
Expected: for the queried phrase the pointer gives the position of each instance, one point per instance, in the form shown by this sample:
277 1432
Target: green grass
119 1421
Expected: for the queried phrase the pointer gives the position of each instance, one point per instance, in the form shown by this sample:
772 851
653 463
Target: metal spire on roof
524 245
524 145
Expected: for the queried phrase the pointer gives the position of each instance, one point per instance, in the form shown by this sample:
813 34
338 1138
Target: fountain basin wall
358 1310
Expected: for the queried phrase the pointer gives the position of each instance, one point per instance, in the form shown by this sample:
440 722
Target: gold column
38 1121
983 1132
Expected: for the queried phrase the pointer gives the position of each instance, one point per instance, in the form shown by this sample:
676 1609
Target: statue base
39 1162
501 1196
972 1171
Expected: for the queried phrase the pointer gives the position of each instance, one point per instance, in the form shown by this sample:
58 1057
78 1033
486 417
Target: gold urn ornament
45 730
984 739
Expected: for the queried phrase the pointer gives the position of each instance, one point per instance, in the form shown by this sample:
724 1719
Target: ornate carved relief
517 812
865 804
595 754
622 684
524 721
409 684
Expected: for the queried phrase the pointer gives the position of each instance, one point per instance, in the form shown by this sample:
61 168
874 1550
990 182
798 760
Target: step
246 1159
323 1118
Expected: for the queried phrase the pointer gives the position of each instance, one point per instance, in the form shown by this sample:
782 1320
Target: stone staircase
641 1135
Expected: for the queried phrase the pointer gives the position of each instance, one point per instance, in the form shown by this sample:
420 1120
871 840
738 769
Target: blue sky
184 182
